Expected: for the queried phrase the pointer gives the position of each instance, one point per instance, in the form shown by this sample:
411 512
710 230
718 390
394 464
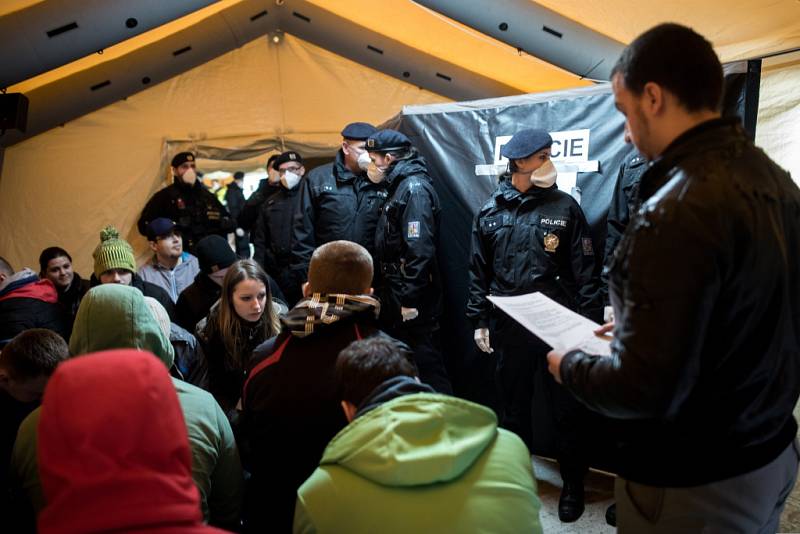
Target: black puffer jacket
706 292
334 204
406 238
273 239
532 241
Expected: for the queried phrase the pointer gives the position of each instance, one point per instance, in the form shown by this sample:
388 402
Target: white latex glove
482 340
408 313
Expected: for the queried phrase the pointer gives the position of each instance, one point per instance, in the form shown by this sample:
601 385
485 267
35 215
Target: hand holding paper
556 325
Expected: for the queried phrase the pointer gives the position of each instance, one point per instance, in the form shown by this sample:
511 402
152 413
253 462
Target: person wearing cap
530 236
114 263
406 234
234 200
195 210
252 206
338 201
171 267
215 256
273 229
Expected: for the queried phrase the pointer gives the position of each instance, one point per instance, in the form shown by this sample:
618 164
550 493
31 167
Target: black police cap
358 131
289 155
182 157
526 142
387 141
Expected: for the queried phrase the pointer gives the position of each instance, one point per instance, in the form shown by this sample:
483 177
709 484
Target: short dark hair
33 353
5 267
51 253
678 59
364 365
340 267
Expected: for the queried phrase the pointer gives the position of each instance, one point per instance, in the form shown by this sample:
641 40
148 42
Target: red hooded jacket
113 450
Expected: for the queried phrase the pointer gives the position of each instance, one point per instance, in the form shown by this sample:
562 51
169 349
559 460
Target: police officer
405 252
196 211
338 201
273 229
530 236
624 203
252 206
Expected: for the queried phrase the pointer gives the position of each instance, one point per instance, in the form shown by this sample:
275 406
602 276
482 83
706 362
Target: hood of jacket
414 440
115 316
315 313
113 449
26 284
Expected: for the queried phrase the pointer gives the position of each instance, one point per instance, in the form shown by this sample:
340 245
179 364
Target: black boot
611 515
570 504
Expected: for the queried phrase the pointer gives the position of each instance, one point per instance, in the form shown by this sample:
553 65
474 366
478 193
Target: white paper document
556 325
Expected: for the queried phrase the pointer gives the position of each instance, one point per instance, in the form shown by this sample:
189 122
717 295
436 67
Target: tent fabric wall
778 130
63 186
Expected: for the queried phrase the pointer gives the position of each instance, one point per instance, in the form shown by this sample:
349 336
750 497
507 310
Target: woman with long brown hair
244 317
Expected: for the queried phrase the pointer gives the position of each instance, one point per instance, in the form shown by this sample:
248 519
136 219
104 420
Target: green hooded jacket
113 316
421 463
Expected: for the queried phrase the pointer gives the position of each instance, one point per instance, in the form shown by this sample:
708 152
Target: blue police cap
387 141
158 227
526 142
358 131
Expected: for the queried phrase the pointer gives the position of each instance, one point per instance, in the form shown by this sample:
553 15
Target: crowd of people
304 389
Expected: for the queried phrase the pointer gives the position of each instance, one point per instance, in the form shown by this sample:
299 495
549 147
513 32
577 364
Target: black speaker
13 111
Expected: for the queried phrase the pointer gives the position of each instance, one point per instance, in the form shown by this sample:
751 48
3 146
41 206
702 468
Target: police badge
550 242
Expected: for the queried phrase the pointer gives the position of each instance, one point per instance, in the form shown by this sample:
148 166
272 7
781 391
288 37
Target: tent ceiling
484 66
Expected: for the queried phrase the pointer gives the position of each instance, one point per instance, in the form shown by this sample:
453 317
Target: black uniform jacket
705 286
234 197
334 204
532 241
405 245
273 235
196 211
625 200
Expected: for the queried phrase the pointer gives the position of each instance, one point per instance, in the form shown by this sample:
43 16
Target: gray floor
599 495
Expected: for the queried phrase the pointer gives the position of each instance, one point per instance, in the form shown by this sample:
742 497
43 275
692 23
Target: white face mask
544 176
189 176
290 180
375 174
364 161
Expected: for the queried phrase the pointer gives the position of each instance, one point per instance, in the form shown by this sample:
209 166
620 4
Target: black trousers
534 406
424 341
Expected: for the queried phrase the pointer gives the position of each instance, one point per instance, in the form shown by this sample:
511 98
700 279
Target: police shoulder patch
588 249
413 229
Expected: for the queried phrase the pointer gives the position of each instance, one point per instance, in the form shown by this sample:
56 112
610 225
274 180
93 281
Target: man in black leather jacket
338 201
405 252
706 292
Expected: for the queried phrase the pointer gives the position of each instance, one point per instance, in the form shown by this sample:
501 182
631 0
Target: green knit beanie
112 253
